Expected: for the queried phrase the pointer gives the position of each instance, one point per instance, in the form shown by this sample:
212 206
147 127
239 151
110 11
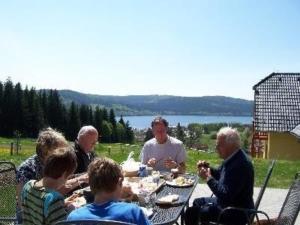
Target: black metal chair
250 216
291 205
289 209
8 193
93 222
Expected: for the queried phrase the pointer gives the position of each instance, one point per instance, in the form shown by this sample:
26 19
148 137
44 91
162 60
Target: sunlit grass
282 176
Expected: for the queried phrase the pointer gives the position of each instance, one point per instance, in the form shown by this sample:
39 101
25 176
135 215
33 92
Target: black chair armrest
249 214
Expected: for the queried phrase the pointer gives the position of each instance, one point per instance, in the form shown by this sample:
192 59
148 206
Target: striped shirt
42 205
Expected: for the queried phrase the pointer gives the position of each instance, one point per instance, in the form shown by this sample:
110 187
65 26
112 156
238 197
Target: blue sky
186 48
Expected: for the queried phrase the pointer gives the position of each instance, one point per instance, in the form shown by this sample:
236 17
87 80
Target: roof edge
271 75
263 80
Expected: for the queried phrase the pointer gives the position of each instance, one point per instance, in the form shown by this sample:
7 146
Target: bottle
142 170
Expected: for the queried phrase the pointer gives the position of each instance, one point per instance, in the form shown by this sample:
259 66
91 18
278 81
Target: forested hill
163 104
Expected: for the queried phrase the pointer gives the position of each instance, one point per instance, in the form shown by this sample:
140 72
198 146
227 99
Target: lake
141 122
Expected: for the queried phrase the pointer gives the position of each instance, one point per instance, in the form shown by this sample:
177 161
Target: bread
169 198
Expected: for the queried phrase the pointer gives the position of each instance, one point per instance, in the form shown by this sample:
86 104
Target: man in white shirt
163 152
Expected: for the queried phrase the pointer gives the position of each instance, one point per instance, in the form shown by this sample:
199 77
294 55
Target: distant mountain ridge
163 104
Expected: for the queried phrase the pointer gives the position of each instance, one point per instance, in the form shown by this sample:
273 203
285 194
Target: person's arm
235 180
182 167
73 183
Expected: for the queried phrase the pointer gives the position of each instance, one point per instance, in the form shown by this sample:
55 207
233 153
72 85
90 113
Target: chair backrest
291 205
8 191
263 188
93 222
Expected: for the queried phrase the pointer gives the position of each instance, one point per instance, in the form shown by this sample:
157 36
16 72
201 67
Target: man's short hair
104 175
158 120
86 130
62 160
48 140
231 136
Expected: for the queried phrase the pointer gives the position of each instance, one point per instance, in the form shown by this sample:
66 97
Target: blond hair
48 140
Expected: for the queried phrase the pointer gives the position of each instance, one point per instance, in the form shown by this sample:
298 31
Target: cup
175 172
156 176
149 170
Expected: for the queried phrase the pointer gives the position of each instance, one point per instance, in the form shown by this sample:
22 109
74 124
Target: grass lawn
282 176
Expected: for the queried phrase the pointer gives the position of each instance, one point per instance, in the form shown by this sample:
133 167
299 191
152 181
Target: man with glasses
84 146
163 152
231 183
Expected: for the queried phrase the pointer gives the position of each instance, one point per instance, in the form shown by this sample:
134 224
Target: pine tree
121 121
106 131
19 107
1 99
180 133
121 133
112 120
73 122
84 115
98 119
148 135
129 133
8 109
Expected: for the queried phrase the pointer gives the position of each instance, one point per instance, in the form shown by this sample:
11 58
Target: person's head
159 128
105 176
48 140
62 162
87 138
228 141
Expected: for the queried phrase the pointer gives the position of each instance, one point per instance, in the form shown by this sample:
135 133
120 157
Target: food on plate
182 181
75 200
169 198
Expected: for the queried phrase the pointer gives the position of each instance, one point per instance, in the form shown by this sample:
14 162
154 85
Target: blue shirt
112 210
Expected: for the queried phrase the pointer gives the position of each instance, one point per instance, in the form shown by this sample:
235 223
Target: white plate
174 184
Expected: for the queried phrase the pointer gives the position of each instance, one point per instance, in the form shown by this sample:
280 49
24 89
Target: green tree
73 122
19 107
180 133
98 119
121 121
8 111
129 133
84 115
33 113
148 134
121 133
106 131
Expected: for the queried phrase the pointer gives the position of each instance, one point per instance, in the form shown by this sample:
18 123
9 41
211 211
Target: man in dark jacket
232 183
84 145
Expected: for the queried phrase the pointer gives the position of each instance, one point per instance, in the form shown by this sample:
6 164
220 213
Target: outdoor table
167 214
164 215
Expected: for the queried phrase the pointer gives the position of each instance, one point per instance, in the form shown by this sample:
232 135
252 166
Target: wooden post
109 150
11 148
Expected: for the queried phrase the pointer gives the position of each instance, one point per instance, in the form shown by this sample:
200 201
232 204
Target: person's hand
204 173
170 163
84 178
69 205
126 192
151 162
202 163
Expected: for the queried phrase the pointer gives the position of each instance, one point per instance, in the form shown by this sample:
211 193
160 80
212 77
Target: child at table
105 179
41 201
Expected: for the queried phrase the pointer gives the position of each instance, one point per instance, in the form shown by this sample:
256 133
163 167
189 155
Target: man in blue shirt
105 179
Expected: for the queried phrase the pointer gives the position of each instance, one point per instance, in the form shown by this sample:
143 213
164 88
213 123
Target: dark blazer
83 159
233 182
